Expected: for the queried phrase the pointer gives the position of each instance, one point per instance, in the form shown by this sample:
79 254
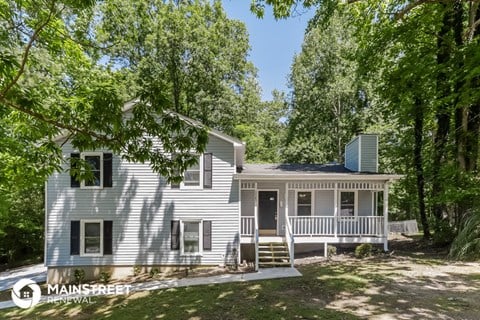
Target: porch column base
385 245
325 252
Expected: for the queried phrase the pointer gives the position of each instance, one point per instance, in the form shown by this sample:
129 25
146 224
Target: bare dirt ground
413 281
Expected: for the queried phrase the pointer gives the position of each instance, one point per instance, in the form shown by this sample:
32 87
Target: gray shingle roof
293 168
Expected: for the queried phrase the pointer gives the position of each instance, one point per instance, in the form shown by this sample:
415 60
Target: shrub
105 277
154 272
79 275
444 234
331 251
137 270
466 245
363 250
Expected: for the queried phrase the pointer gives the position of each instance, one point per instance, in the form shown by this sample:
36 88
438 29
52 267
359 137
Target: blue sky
273 43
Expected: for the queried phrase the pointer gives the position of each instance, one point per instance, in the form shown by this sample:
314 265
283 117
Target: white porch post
385 216
255 213
285 205
335 209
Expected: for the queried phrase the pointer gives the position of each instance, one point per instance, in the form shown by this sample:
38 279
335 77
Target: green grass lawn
346 288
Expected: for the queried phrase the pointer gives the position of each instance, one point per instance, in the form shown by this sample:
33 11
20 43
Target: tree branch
26 52
58 124
409 7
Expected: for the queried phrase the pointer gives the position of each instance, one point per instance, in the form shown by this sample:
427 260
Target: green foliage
154 272
264 133
466 245
137 270
186 55
105 276
21 222
331 251
364 250
329 102
79 275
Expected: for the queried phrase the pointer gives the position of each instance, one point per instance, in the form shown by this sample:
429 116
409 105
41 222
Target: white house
223 210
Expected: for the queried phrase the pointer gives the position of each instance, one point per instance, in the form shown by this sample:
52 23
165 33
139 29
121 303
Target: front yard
410 283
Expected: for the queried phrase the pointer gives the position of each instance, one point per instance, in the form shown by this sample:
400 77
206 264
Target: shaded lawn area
386 287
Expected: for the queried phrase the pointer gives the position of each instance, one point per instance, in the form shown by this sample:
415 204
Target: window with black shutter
74 182
107 236
75 237
107 170
207 170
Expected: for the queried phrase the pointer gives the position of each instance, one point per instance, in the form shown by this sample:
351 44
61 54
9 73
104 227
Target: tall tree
189 52
328 101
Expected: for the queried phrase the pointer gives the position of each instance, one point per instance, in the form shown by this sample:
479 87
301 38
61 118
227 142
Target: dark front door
267 210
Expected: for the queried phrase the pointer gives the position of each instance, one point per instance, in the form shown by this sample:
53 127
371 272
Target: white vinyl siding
142 205
324 203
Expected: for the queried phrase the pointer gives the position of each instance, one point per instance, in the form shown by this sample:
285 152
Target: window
304 203
191 237
91 237
95 161
347 204
91 234
192 175
100 165
199 175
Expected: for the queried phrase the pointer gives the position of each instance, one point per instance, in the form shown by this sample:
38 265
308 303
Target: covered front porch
319 211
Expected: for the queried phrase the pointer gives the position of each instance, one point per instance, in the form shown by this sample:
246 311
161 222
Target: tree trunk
473 121
418 163
442 113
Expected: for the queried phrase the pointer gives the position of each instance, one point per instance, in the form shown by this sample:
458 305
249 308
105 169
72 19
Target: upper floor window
304 203
192 176
199 175
94 160
99 165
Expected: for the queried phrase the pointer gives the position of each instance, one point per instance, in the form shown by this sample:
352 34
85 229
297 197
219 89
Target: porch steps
273 254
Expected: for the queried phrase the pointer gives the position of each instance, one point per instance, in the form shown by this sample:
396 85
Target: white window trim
312 202
355 206
200 186
82 182
200 240
82 238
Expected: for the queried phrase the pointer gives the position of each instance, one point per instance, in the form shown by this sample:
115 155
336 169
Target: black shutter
107 170
74 183
175 242
207 170
207 235
107 236
75 237
175 185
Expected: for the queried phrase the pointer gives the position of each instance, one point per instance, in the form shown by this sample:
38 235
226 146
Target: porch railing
247 226
340 226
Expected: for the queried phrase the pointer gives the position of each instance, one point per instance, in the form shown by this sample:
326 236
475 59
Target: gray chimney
361 154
